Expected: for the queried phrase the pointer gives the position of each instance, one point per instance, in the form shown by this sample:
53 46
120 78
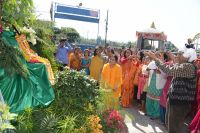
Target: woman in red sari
195 124
128 73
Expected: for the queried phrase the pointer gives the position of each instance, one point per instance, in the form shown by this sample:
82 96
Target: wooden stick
16 30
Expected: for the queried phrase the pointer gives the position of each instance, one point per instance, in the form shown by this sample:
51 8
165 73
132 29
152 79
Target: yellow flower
94 125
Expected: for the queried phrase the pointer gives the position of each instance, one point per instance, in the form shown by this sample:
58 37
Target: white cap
152 65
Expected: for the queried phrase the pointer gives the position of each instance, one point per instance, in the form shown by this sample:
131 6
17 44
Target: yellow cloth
112 77
31 56
96 67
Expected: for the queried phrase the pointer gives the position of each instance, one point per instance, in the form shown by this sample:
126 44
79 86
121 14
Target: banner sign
74 13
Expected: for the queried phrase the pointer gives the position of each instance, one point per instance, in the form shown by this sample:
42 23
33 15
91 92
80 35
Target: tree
71 34
44 30
45 44
170 46
131 44
16 12
197 36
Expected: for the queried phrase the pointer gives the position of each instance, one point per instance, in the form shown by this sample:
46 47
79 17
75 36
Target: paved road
137 122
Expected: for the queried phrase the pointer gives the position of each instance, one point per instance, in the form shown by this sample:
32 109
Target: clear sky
178 19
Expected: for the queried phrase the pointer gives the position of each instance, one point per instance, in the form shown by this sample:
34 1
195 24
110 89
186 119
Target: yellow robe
96 67
112 77
31 56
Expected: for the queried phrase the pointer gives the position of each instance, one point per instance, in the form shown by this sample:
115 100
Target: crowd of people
165 86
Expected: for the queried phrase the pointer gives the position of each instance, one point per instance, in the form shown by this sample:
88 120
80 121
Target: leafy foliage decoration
11 60
5 118
45 45
17 12
76 90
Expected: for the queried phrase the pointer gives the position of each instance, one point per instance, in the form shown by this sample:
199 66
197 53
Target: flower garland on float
32 57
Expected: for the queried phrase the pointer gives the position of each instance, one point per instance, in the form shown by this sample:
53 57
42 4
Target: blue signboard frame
78 13
74 13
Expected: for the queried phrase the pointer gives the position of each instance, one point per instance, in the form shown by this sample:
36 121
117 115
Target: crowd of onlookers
162 84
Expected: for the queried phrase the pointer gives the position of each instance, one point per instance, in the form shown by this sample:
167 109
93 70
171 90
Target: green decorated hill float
23 84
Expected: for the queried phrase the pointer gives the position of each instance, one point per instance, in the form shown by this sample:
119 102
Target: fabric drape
96 67
20 93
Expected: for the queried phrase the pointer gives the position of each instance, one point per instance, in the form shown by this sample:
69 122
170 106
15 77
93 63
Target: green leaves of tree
17 12
70 33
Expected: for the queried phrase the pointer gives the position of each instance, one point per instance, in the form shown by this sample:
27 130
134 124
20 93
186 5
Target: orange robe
75 62
138 69
111 78
128 74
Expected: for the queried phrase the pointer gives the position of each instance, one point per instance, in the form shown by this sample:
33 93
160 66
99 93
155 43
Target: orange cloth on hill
75 62
128 74
112 77
31 56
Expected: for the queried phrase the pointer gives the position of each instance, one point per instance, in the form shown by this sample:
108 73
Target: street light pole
106 28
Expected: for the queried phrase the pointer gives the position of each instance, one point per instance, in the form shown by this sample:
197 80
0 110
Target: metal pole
106 28
54 6
98 30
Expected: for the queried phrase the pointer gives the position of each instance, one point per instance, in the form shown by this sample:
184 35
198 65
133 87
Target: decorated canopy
152 34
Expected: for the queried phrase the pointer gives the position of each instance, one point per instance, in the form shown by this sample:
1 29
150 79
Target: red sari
128 74
198 92
195 124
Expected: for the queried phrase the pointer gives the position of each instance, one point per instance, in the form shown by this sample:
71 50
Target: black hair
116 58
166 57
141 56
112 51
86 50
95 51
122 51
126 51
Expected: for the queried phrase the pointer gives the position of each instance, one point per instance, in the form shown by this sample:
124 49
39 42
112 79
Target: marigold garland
94 125
31 56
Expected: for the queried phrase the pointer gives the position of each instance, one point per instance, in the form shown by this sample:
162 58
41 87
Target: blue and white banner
74 13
